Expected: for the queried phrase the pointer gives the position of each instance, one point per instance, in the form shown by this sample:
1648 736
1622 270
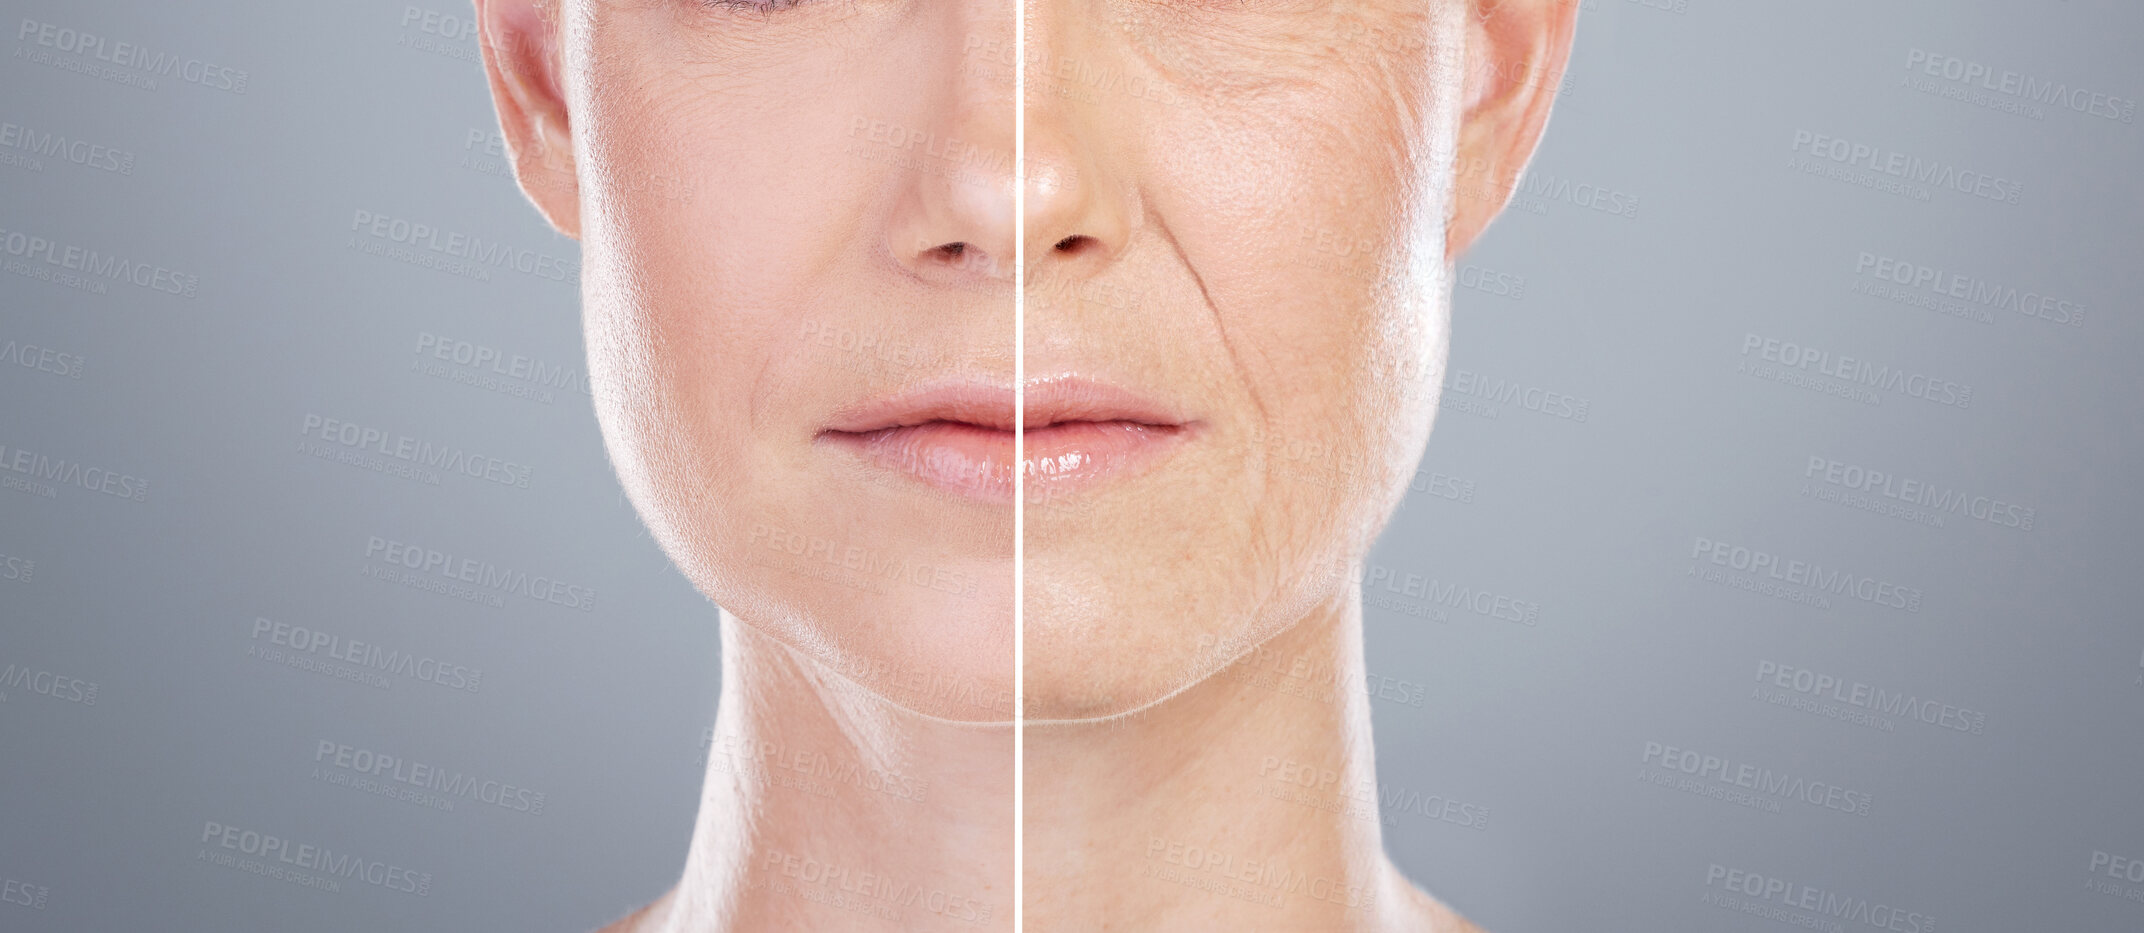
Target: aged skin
1283 185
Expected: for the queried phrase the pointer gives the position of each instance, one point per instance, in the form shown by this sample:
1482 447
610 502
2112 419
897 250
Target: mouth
960 437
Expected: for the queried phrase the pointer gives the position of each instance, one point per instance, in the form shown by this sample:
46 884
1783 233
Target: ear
1516 52
522 58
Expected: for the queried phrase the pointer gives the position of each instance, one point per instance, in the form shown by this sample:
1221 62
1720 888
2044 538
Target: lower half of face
1253 351
1282 290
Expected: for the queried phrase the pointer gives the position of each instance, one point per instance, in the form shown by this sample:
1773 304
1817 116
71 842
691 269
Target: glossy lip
958 436
1081 432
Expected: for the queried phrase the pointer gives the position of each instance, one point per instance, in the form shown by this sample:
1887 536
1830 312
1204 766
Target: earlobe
1516 53
522 60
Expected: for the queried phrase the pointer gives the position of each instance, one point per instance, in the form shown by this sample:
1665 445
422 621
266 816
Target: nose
1079 209
1075 214
956 221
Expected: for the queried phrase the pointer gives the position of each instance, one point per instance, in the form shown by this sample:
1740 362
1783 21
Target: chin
938 643
1096 651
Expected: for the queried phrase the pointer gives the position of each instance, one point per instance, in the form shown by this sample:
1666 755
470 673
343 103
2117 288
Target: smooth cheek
677 354
721 269
695 354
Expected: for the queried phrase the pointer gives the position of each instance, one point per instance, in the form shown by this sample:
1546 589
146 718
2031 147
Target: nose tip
1072 212
958 220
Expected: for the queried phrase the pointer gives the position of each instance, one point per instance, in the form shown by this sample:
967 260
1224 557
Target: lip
959 436
1082 431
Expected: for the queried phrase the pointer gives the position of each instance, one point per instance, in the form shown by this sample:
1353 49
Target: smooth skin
759 256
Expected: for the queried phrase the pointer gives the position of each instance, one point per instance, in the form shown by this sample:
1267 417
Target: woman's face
798 236
768 198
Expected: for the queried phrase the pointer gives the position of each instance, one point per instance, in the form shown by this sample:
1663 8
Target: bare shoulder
1449 921
1426 914
648 919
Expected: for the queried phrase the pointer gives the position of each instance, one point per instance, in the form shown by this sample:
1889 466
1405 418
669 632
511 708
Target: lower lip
971 461
1072 454
976 462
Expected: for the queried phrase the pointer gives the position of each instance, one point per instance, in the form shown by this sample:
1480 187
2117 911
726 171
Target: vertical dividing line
1019 460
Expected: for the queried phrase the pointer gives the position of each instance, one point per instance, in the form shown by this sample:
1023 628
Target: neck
1246 802
828 808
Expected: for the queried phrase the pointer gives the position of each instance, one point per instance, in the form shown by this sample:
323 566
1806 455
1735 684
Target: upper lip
1049 400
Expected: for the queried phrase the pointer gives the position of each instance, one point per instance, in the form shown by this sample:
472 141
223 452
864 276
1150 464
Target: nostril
1071 243
960 256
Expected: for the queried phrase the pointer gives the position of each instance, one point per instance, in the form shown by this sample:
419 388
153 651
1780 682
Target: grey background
1644 316
1689 108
